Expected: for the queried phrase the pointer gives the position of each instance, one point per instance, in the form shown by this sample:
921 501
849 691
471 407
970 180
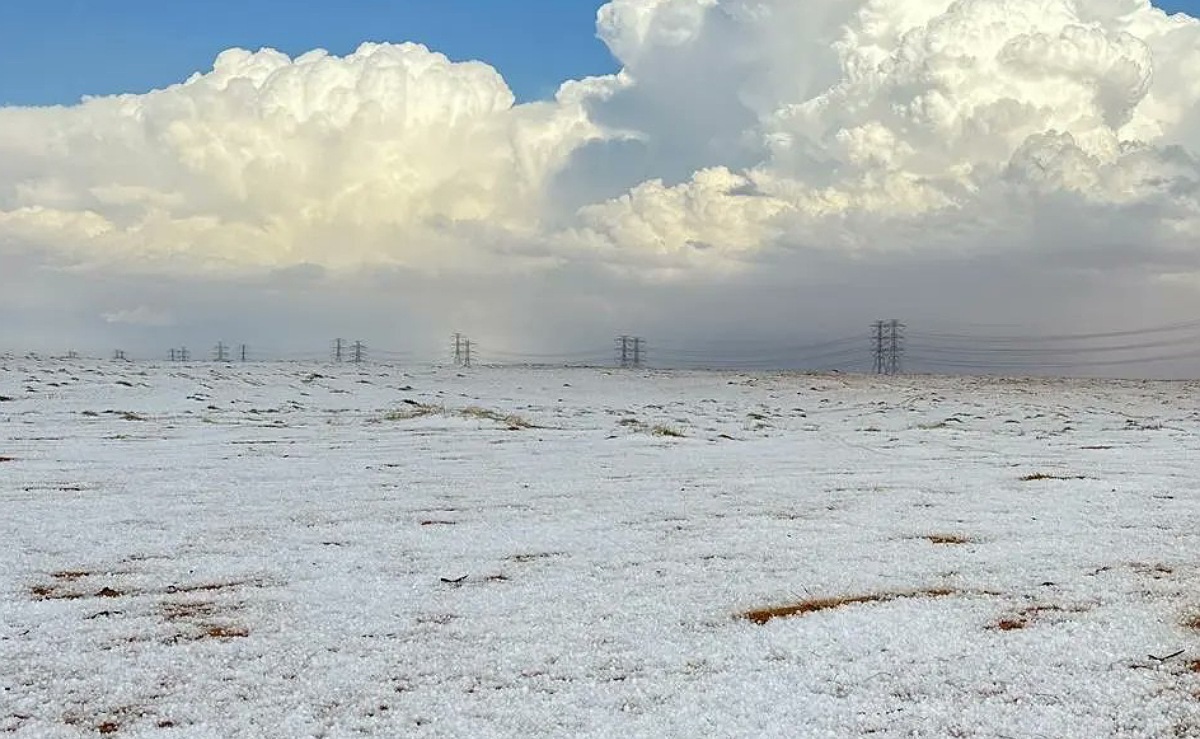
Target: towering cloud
742 138
392 154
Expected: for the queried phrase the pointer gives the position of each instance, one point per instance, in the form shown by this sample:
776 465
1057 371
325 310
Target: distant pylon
462 351
630 351
887 346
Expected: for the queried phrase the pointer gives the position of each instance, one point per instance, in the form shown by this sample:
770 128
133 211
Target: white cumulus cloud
743 142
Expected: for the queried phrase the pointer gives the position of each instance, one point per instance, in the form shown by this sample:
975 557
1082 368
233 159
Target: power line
1059 338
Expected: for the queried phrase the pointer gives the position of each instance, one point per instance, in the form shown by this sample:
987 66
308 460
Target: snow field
294 550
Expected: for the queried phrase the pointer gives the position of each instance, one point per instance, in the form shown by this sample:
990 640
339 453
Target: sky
536 44
545 175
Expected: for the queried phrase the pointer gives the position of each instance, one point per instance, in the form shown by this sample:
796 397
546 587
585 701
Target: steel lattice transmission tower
887 346
462 351
631 351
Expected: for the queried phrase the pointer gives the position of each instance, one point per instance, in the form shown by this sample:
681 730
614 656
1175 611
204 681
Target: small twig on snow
1169 656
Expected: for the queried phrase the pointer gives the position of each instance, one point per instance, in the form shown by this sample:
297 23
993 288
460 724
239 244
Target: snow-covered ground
304 550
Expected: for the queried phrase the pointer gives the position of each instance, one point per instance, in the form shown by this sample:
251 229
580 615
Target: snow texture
303 550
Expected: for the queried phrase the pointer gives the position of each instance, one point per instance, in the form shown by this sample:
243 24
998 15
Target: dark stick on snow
1169 656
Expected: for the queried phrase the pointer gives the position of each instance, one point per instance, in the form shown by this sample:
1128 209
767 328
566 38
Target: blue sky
55 51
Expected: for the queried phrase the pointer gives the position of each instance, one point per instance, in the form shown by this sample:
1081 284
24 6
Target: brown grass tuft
187 611
71 575
661 430
50 592
1036 476
216 631
414 411
1027 616
763 615
1192 623
946 539
512 421
531 556
209 587
108 727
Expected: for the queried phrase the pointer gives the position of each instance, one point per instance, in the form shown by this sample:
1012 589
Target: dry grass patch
413 411
198 620
71 575
190 611
511 421
660 429
1037 476
946 539
532 556
814 605
1192 622
214 631
668 431
54 592
210 587
1028 616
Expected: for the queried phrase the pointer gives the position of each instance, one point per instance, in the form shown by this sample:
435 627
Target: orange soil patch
813 605
1026 616
226 632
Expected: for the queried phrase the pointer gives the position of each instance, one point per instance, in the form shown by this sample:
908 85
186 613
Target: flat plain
329 550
